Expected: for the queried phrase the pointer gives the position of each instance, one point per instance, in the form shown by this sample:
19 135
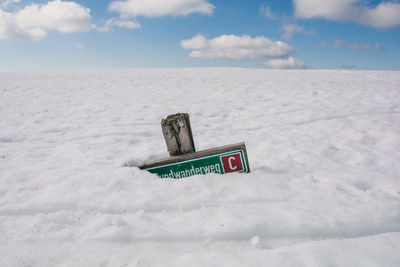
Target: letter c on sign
230 163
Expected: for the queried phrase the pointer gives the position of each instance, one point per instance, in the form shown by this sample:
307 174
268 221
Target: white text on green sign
227 162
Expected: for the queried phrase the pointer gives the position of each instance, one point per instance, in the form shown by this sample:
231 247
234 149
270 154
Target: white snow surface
323 146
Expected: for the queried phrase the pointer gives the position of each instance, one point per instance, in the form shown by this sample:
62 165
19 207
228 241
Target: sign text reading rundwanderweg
218 160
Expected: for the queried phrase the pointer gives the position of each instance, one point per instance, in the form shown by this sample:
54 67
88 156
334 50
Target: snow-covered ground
324 150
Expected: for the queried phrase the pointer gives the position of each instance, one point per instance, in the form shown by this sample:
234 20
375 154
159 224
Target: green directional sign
220 160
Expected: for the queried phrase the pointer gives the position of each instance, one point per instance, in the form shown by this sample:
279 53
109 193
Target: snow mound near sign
323 146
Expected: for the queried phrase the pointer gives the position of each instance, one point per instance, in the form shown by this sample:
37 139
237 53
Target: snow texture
324 150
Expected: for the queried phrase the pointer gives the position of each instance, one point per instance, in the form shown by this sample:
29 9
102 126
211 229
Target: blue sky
100 34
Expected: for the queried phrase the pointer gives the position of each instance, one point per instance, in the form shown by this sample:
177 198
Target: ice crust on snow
324 150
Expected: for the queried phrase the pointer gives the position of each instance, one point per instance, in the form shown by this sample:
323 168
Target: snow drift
324 150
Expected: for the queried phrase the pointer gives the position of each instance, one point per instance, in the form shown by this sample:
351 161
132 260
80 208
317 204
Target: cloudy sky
103 34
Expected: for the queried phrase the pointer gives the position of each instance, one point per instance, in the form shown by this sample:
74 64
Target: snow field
323 147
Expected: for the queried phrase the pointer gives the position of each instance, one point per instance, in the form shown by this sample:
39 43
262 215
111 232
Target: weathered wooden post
178 134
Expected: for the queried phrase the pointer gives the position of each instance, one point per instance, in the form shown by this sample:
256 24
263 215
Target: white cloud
384 15
358 46
290 29
9 29
266 11
6 3
379 47
127 24
80 45
34 21
236 47
121 23
338 43
352 46
285 63
159 8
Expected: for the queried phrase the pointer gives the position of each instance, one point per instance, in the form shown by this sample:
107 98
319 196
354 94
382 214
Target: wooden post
178 134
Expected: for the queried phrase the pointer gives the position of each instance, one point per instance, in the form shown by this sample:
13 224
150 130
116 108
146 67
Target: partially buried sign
220 160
